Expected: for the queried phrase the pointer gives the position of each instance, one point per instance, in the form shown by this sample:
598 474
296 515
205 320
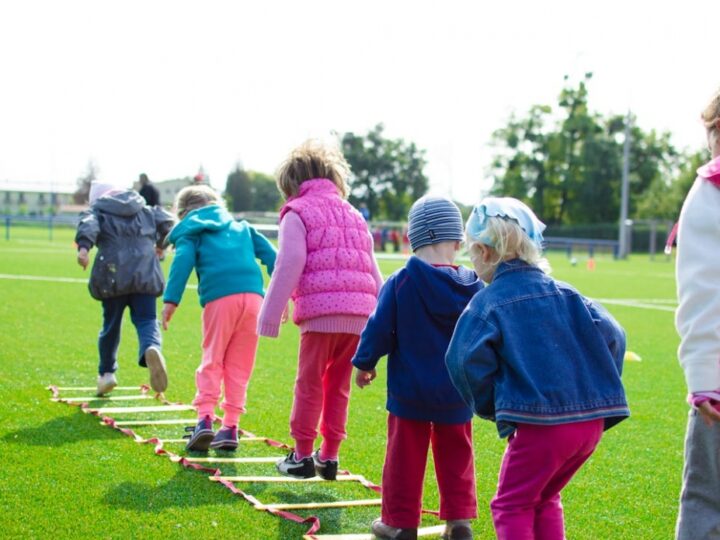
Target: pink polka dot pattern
337 279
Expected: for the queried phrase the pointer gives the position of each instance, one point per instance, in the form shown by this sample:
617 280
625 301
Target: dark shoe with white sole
305 468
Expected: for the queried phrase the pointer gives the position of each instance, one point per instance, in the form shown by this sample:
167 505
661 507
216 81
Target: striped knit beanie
432 220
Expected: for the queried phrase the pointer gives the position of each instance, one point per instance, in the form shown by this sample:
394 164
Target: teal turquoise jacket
222 251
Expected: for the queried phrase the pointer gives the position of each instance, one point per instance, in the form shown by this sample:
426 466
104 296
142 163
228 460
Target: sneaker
380 530
458 530
201 436
225 439
105 383
155 362
305 468
326 469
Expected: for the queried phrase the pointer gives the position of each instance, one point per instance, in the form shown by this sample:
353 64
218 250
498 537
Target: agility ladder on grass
196 463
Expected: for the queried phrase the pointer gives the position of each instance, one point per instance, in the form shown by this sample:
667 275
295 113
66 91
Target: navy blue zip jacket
529 349
413 322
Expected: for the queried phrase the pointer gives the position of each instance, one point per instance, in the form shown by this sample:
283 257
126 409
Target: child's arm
164 222
88 230
264 250
182 265
379 336
473 363
611 331
286 274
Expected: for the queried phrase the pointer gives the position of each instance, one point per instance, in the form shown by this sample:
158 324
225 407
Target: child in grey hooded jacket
125 273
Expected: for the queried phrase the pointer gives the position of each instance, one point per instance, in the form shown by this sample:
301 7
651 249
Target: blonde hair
509 242
193 197
310 160
711 114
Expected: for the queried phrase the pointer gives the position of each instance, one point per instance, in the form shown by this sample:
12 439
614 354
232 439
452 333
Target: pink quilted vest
337 278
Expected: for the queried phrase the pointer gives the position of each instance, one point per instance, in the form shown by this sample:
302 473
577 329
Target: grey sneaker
201 436
380 530
305 468
156 365
325 469
105 383
458 530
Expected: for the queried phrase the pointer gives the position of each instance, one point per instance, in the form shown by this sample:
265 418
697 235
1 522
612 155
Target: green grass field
65 476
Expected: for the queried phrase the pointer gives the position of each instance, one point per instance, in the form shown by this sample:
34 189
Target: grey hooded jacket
125 232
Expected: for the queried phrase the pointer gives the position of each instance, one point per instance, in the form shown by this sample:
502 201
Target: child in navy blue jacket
414 319
539 359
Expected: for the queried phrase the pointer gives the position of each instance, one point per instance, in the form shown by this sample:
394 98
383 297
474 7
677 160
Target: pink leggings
539 462
322 392
229 345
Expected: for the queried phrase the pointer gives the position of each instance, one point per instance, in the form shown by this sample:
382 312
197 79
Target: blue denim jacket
529 349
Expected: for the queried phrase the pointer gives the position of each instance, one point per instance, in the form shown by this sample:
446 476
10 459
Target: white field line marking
640 304
56 279
66 252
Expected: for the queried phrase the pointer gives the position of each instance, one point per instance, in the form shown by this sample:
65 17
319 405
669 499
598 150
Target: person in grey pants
698 323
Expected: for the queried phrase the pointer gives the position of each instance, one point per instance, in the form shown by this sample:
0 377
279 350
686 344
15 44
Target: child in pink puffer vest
326 265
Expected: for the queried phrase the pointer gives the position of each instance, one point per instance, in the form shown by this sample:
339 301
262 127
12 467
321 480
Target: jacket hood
125 203
443 290
207 218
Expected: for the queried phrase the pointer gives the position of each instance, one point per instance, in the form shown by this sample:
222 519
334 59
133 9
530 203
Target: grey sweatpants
699 517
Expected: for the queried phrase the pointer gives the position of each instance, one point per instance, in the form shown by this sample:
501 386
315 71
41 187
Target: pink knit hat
99 188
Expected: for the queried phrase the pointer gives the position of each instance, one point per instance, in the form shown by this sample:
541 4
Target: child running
230 285
326 265
412 324
698 323
126 274
541 361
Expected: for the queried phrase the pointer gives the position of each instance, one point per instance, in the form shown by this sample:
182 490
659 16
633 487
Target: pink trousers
539 462
322 392
404 470
229 345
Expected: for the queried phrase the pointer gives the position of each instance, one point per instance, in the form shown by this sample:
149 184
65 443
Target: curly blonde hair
509 241
193 197
313 159
711 114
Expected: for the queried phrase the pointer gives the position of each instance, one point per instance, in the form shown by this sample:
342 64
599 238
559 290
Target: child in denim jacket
541 361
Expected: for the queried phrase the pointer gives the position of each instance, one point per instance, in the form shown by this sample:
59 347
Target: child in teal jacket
230 285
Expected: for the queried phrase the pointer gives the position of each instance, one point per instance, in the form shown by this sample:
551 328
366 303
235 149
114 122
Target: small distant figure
541 361
125 274
148 191
199 178
412 324
327 266
364 211
223 253
697 321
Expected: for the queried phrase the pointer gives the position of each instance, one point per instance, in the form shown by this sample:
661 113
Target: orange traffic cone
591 264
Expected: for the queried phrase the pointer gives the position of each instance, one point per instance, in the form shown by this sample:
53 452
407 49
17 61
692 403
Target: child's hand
167 313
708 413
285 314
364 378
82 258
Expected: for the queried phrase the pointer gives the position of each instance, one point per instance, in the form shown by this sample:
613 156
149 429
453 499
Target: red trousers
322 391
404 470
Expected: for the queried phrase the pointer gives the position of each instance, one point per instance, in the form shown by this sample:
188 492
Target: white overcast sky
166 86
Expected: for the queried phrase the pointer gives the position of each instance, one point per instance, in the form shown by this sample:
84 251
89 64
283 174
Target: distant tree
82 192
386 174
568 165
265 194
238 190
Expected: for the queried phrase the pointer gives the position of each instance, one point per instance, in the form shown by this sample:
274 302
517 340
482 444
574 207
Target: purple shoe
225 439
201 437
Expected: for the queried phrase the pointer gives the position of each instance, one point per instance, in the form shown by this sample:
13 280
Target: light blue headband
505 208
